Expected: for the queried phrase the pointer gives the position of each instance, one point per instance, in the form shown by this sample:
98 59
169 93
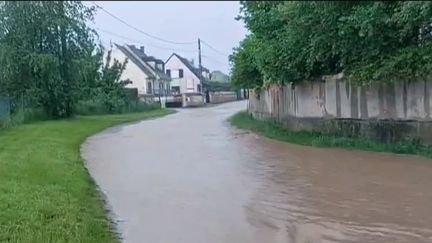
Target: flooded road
190 177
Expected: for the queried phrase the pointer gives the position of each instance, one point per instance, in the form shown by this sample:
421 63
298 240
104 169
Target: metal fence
5 108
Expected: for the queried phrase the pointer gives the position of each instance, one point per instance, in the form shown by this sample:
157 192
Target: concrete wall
193 100
220 97
311 104
189 82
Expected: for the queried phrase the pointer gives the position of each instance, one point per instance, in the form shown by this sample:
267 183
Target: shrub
370 41
99 107
24 115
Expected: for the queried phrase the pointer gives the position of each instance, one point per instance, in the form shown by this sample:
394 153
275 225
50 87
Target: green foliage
43 46
117 106
369 41
245 73
218 86
218 76
106 92
49 58
24 115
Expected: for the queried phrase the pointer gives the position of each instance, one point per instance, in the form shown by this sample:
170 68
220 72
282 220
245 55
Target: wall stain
363 103
405 98
322 97
381 107
390 100
295 101
338 99
426 99
347 89
354 101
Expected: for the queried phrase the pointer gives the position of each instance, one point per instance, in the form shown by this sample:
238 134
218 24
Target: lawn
274 130
46 194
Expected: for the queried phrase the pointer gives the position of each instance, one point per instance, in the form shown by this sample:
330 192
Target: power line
137 41
214 49
142 32
163 48
155 37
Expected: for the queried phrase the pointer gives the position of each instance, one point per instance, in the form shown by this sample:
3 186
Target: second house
185 77
146 73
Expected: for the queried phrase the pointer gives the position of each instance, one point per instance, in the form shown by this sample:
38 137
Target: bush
370 41
99 107
24 115
277 131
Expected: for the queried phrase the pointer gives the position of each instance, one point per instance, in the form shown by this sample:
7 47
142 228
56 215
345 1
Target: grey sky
212 21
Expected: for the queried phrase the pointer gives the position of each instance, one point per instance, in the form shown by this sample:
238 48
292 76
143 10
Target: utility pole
200 70
199 57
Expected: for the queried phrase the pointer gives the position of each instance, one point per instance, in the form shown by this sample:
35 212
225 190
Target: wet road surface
190 177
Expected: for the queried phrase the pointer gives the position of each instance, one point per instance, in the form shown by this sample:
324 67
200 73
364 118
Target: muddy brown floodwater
190 177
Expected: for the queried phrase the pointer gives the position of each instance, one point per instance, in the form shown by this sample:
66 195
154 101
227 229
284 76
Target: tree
109 86
369 41
244 72
44 47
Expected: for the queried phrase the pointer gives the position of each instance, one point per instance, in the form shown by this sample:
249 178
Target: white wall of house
131 72
189 83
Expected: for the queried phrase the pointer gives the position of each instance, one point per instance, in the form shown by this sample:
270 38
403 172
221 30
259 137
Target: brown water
191 178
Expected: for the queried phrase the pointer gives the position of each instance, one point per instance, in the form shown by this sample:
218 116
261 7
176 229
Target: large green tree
369 41
109 87
44 49
244 72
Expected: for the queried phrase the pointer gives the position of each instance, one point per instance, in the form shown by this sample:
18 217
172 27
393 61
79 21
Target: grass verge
46 194
274 130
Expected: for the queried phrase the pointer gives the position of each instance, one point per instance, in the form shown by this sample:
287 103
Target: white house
184 75
146 73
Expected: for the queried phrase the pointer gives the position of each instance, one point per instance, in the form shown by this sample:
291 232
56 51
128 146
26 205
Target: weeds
276 131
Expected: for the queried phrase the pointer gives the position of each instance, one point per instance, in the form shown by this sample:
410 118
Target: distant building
185 77
146 73
206 73
218 76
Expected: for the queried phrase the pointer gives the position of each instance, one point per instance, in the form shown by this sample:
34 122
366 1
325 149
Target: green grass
274 130
46 194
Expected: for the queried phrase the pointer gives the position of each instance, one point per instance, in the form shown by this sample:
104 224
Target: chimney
192 61
142 49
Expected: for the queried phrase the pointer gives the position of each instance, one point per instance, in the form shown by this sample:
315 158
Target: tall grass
24 115
46 194
95 107
275 130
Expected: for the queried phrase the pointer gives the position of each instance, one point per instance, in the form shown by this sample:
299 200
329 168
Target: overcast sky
212 21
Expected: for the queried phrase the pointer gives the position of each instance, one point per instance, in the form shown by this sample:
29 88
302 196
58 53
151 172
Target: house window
180 73
168 72
149 87
190 84
159 66
175 89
